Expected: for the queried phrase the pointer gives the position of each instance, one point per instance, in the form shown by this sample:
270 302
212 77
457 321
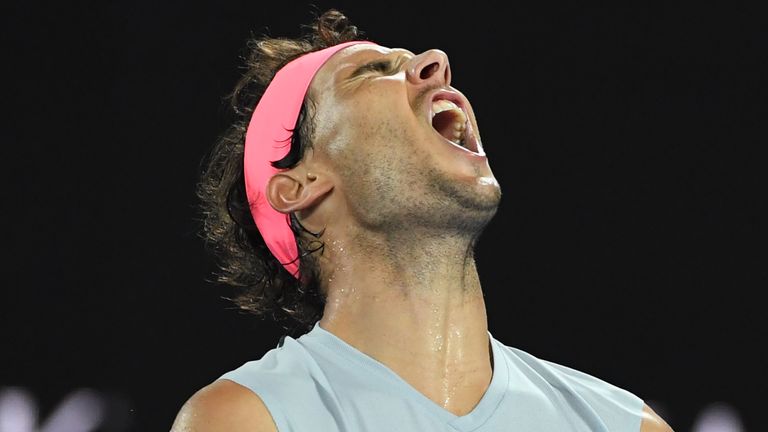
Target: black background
629 242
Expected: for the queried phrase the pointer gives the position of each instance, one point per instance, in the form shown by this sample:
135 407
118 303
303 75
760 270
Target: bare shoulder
224 406
652 422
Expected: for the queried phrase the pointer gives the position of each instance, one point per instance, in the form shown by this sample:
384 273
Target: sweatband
268 138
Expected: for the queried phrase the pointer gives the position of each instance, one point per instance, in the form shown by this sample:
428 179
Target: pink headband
268 138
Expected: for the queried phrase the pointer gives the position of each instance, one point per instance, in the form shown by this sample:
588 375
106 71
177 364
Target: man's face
403 143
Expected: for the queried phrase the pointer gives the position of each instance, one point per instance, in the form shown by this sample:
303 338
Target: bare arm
652 422
224 406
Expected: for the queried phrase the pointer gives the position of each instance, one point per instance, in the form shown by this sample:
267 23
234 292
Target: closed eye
384 66
379 66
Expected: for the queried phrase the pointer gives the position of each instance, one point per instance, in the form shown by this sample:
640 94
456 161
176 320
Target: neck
398 298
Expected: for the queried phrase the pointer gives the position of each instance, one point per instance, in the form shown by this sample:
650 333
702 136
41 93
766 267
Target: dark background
629 242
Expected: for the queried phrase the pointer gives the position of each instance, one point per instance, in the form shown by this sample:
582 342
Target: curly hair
262 285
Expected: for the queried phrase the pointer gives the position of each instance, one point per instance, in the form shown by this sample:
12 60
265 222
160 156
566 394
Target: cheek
355 128
371 127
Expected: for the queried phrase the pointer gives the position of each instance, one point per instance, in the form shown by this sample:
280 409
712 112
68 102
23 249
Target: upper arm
224 406
652 422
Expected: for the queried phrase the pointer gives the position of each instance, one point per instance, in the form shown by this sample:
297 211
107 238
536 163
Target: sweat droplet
437 344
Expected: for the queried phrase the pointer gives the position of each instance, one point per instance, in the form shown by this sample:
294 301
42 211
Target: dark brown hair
262 285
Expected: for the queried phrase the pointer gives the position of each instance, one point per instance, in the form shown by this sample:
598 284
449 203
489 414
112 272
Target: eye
383 66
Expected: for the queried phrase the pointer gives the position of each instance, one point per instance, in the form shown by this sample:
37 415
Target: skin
401 209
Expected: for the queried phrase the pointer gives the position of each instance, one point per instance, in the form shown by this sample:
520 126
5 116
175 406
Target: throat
438 344
456 387
416 306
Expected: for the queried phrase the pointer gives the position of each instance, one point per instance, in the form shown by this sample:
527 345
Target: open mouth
450 120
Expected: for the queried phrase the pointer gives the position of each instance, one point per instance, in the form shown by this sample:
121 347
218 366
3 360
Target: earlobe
286 193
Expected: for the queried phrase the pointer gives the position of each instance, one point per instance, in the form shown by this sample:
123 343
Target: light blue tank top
320 383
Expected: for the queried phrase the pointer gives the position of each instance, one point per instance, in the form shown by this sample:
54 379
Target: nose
429 68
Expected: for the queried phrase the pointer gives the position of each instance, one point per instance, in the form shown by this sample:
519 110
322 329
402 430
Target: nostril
429 70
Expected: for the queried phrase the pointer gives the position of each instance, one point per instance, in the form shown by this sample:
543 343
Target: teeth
459 118
458 131
441 105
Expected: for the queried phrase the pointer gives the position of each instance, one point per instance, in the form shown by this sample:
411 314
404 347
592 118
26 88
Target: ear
297 189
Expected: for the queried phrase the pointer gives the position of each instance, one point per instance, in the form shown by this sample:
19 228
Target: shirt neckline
330 343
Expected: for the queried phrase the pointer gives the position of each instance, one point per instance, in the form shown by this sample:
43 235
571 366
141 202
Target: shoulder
652 422
610 395
569 379
224 406
617 408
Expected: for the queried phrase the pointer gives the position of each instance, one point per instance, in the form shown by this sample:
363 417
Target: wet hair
261 285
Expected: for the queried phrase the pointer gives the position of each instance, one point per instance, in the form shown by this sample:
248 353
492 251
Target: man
350 199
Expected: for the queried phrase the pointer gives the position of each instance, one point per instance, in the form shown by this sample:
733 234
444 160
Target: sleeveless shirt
320 383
